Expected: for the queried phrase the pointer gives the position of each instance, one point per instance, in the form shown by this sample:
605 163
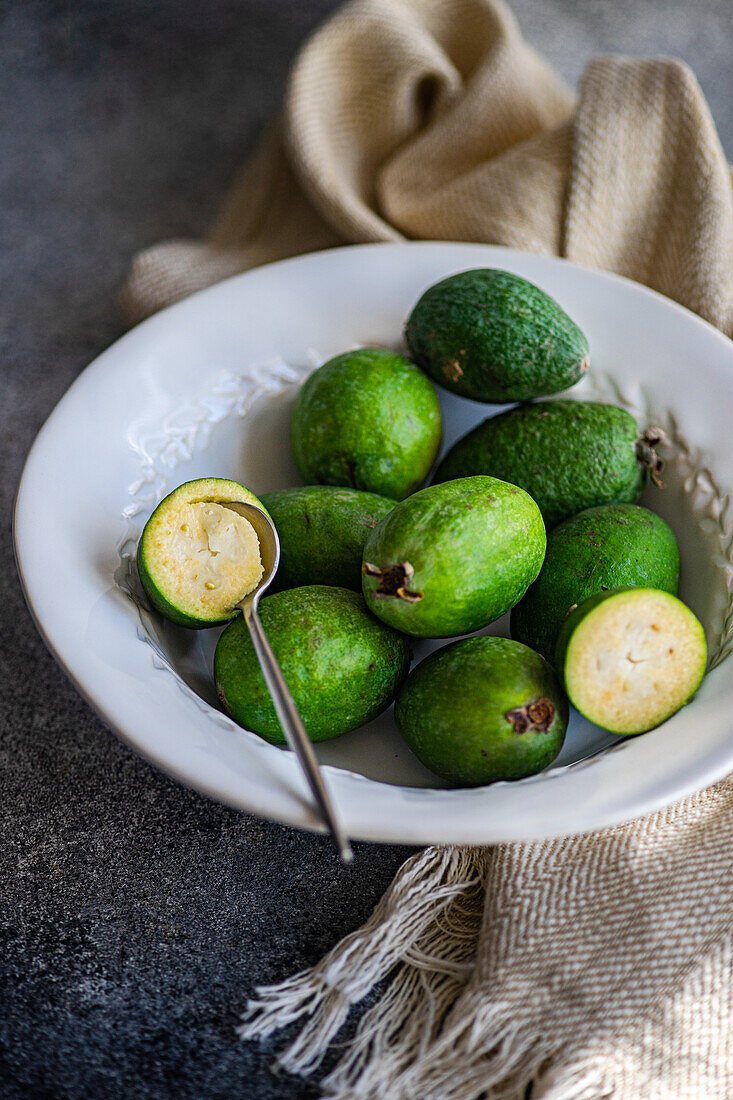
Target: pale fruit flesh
208 556
634 660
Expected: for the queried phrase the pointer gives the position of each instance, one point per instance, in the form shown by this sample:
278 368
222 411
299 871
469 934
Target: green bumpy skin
568 455
483 709
454 557
493 336
612 546
216 490
322 530
343 666
369 420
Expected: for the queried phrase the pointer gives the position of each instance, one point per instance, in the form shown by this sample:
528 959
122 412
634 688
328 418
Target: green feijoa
322 530
198 556
343 666
367 419
454 557
631 658
483 709
612 546
568 455
493 336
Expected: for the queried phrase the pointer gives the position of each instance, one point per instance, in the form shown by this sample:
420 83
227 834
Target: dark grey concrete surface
136 917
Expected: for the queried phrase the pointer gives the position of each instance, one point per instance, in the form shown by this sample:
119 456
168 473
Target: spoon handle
293 728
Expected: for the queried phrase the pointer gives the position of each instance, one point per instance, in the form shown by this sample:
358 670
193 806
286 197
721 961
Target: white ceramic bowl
207 387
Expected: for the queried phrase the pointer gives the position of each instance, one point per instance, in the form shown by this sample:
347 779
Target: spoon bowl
269 545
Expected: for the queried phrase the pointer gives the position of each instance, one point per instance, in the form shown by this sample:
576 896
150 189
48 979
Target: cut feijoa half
198 556
631 658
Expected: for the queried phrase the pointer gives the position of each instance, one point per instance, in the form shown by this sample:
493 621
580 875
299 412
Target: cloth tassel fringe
462 1050
429 920
429 1036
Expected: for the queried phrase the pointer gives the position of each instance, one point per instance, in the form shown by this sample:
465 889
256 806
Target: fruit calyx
393 581
532 716
647 455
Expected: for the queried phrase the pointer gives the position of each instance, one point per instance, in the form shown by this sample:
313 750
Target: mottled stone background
136 917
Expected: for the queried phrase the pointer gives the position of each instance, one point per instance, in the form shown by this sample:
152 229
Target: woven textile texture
434 119
585 967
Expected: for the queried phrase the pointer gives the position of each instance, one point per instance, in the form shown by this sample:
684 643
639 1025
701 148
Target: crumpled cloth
585 967
434 119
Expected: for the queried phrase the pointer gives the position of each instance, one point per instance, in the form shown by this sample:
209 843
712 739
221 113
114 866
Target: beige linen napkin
434 119
586 967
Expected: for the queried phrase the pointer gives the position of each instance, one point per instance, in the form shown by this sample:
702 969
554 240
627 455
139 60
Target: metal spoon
285 708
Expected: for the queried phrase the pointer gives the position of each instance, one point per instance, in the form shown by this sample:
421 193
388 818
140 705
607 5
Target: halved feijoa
483 709
341 664
198 556
631 658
